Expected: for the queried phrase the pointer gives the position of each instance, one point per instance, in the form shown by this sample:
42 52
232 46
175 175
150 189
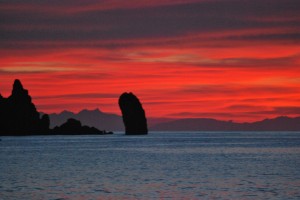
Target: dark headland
19 116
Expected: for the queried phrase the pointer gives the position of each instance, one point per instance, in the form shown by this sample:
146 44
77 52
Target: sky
225 59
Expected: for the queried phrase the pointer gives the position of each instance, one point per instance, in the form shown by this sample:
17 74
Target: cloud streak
147 22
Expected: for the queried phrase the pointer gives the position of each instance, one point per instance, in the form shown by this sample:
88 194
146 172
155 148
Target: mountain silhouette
94 118
204 124
91 118
18 115
133 114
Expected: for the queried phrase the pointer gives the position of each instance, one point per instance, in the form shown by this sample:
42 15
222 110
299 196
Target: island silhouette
74 127
19 116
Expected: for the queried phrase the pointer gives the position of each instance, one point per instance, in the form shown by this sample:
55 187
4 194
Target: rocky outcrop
18 115
133 115
74 127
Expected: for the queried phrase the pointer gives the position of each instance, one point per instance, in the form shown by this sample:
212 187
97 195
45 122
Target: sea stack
18 115
133 114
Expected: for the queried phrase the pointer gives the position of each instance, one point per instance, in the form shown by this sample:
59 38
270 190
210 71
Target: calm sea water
204 165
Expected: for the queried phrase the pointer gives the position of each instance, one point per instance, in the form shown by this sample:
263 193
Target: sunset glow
229 60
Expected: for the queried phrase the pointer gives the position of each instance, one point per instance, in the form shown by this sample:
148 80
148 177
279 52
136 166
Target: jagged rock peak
17 85
18 88
19 115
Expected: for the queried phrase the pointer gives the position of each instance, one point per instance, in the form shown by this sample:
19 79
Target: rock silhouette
18 115
133 115
74 127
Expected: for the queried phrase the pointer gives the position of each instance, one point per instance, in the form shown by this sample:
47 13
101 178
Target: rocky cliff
18 115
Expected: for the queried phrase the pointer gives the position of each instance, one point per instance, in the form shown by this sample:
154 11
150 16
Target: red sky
230 60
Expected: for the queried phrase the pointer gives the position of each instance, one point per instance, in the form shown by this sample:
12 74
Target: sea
160 165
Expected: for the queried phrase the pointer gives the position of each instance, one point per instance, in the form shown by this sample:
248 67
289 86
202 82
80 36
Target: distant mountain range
94 118
204 124
113 122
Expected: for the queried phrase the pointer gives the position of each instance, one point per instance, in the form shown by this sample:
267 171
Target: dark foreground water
240 165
